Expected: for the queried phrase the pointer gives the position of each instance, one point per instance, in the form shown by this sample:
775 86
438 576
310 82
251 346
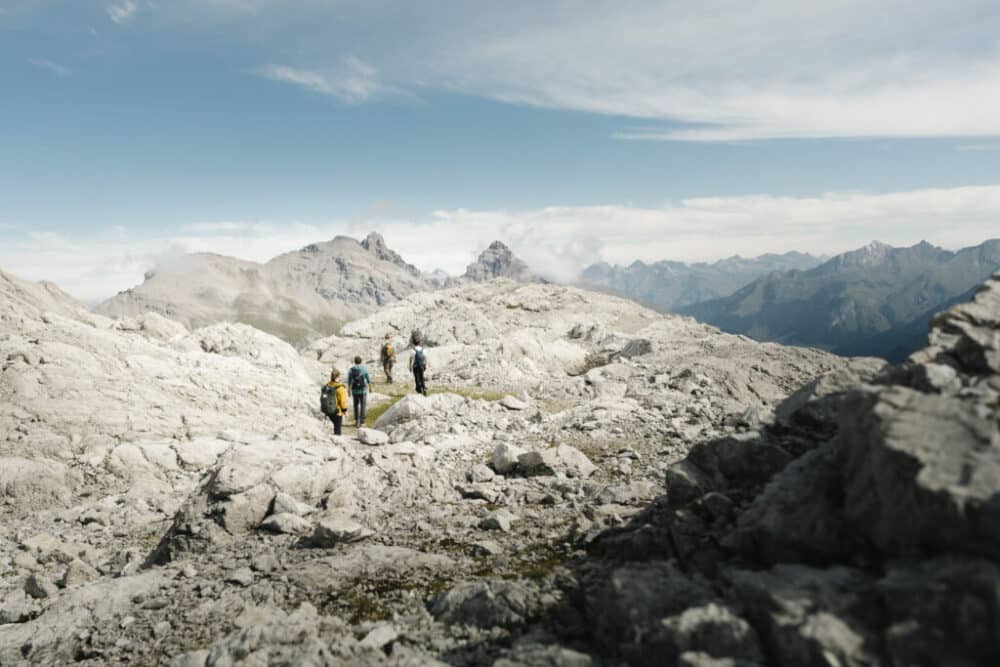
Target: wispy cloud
557 240
704 71
351 81
122 11
51 67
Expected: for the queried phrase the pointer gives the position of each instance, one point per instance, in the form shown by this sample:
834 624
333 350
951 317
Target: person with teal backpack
360 382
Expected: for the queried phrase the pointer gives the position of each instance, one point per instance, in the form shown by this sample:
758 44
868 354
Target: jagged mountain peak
877 253
375 244
499 261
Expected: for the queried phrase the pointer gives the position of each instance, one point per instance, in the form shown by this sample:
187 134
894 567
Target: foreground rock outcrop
588 483
858 529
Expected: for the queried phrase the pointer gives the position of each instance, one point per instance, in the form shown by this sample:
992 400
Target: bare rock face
297 296
560 460
375 245
338 528
35 484
498 261
867 513
484 604
922 472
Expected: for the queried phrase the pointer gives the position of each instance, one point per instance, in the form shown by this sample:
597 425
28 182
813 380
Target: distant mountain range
668 285
873 301
298 296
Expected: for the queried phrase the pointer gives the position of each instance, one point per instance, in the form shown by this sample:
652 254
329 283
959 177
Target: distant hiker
388 357
418 364
333 401
360 382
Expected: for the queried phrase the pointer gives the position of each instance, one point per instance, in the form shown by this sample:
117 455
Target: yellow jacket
341 394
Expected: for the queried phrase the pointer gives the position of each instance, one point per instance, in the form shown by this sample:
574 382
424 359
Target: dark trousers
387 367
418 378
338 423
360 402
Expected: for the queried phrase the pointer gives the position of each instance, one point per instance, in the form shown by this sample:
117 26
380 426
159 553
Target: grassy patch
473 393
363 607
377 411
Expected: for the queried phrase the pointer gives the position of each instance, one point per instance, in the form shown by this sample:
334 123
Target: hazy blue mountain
876 300
670 285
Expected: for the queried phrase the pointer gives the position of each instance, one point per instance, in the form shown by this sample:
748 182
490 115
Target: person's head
387 336
357 359
416 340
334 374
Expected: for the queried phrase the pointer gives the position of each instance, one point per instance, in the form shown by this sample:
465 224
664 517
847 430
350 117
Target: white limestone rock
505 457
559 460
286 523
373 437
336 528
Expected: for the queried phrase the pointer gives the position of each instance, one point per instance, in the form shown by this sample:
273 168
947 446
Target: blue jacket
350 379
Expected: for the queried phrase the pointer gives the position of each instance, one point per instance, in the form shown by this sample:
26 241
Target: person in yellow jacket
333 401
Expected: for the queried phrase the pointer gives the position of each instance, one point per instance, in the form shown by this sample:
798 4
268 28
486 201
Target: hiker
360 382
333 401
388 356
418 364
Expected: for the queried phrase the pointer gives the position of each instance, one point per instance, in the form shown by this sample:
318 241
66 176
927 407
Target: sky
135 130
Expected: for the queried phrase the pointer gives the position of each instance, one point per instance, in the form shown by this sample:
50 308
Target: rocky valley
588 482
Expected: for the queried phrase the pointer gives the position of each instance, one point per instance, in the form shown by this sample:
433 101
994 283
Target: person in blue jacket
360 382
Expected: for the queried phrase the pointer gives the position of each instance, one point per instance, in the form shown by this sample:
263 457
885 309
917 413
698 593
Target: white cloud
786 69
707 71
352 81
122 11
48 65
557 240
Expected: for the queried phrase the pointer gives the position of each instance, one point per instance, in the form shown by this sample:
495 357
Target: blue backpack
419 360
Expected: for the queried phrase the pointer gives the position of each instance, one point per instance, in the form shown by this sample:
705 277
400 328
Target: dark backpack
328 400
358 383
419 360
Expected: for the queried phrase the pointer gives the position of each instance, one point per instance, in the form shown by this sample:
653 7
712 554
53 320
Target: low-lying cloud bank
557 240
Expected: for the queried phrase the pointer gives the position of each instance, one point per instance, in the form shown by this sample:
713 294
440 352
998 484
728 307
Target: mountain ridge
298 295
667 284
875 293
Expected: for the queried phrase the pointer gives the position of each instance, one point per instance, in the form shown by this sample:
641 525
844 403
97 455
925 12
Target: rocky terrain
589 483
297 296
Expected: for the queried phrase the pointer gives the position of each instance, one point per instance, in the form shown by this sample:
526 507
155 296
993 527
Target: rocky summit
587 482
298 296
499 261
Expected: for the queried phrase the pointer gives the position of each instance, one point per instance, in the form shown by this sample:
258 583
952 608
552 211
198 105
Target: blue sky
131 130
